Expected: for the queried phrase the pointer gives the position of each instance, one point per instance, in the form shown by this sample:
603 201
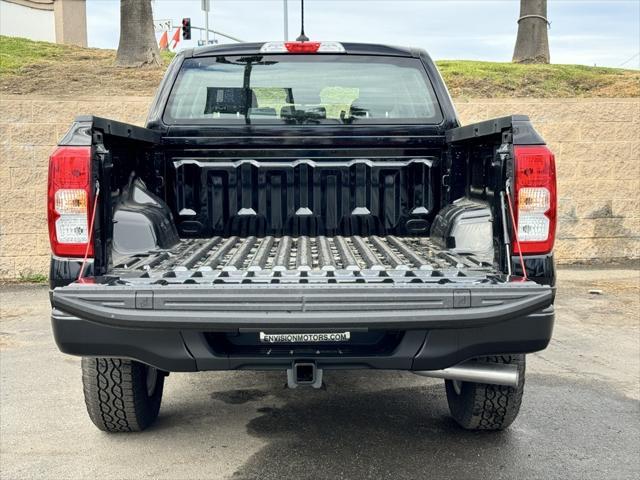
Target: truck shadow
407 433
400 433
394 425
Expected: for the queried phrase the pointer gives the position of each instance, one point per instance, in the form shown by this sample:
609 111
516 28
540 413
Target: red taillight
69 204
302 47
535 199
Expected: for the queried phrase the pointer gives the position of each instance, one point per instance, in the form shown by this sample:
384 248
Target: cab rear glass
302 90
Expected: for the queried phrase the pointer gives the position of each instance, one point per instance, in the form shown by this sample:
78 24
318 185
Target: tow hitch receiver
304 374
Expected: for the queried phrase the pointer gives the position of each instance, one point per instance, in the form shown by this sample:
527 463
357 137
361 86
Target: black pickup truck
302 206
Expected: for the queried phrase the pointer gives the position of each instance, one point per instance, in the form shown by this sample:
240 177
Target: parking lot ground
580 416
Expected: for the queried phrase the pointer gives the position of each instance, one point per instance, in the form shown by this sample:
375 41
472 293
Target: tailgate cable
515 231
90 236
505 231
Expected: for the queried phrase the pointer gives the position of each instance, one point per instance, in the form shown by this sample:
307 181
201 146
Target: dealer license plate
305 337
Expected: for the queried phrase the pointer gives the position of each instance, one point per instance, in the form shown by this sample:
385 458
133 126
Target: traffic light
186 29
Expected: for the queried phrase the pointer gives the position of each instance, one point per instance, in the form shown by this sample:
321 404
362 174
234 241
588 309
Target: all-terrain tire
117 393
481 406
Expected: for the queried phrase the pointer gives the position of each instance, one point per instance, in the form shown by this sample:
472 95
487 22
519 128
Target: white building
58 21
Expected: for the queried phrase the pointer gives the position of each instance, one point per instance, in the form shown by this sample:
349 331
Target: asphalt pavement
580 416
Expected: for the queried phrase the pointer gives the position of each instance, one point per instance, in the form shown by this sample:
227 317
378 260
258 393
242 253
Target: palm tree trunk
137 45
532 45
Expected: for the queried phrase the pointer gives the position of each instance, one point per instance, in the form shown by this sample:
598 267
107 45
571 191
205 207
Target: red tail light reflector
69 196
535 199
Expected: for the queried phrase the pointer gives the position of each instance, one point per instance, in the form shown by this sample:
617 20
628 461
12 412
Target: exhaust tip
478 372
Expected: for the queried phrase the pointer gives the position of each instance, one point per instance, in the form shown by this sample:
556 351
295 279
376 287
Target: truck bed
286 259
228 284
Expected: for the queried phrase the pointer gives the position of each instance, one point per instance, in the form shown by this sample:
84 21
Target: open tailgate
233 284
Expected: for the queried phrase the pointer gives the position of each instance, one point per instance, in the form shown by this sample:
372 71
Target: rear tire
481 406
121 395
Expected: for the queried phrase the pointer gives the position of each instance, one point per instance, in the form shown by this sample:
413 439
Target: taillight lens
535 199
69 201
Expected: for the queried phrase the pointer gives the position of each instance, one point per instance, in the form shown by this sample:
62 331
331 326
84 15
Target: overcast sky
604 33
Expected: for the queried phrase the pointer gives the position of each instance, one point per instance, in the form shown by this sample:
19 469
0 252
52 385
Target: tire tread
115 394
482 406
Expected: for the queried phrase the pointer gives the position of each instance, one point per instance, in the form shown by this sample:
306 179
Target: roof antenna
302 37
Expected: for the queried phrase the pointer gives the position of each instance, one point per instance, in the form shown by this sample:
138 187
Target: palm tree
532 45
137 45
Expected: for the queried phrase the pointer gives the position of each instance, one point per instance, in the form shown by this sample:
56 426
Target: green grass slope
28 67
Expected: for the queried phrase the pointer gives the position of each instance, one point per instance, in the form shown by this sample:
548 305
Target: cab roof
254 49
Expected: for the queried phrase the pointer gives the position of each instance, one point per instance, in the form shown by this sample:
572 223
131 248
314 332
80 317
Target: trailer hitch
304 374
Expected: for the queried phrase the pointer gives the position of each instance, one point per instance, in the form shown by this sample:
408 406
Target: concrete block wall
596 142
30 127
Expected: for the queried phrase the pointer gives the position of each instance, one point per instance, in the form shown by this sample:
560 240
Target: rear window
302 90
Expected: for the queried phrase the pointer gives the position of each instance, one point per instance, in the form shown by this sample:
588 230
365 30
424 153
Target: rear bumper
188 350
168 327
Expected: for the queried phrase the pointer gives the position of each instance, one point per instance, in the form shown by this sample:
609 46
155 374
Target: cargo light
535 199
69 201
302 47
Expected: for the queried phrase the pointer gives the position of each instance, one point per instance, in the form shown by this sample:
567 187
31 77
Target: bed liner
304 259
